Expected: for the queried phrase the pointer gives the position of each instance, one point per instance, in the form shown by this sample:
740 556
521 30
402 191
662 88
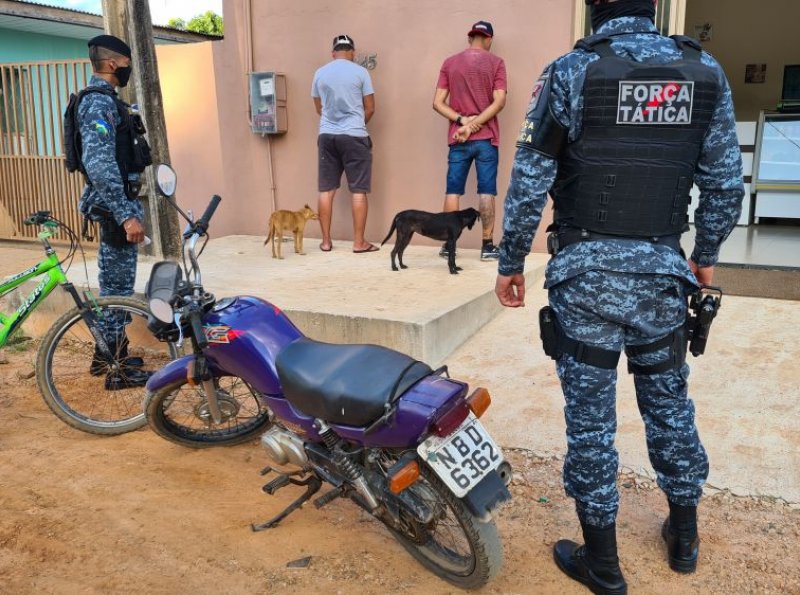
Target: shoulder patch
537 91
101 127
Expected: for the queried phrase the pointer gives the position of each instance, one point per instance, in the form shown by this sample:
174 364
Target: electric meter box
268 102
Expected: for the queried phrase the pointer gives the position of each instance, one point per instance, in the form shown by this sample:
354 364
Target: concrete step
341 297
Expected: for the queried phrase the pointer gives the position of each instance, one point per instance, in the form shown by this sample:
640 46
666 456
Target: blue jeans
460 159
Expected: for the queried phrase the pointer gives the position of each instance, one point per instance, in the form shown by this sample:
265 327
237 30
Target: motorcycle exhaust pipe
366 493
505 472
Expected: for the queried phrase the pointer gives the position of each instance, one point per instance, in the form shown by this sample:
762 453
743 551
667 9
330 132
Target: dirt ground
136 514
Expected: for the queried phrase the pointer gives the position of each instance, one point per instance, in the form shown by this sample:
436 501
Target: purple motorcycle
399 439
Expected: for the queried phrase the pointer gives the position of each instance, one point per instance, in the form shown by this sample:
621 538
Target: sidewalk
745 390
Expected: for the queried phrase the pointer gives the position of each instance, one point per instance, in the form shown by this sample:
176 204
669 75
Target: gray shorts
349 154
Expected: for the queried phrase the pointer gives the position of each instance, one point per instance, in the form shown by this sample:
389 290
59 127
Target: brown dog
294 221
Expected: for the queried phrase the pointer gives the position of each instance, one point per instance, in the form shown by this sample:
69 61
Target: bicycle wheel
79 389
179 412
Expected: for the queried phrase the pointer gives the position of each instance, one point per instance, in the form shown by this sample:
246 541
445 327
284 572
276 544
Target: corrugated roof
20 15
57 7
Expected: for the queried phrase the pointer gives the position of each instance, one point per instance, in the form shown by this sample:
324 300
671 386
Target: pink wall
411 39
190 110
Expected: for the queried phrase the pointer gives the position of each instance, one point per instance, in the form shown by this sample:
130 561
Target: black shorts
349 154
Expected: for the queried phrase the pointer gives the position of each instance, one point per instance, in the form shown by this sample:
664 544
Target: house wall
189 93
410 40
23 46
54 81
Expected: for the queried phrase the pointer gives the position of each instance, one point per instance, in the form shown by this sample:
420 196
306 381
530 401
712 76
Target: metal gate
33 97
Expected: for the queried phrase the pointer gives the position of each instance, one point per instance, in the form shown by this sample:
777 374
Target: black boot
136 362
124 376
101 364
680 533
121 371
595 564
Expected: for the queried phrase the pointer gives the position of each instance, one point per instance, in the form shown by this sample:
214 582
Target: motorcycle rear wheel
179 413
469 564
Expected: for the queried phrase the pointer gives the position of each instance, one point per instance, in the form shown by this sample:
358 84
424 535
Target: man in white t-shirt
344 99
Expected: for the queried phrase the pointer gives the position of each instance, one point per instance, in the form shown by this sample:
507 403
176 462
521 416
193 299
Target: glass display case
746 132
776 174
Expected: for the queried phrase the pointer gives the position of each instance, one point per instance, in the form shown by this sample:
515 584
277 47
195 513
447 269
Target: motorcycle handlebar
202 223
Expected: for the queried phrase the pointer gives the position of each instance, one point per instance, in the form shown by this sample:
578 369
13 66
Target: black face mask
602 13
123 74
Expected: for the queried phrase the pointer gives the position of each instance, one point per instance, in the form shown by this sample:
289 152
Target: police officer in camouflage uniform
110 199
617 131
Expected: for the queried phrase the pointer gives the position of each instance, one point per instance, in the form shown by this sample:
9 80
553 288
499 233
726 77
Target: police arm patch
537 91
541 131
528 126
101 127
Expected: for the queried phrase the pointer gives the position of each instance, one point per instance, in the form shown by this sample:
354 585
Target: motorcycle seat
345 384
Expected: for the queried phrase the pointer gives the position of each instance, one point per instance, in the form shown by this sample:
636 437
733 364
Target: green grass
19 343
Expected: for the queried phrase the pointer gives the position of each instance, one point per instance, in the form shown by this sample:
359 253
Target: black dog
437 226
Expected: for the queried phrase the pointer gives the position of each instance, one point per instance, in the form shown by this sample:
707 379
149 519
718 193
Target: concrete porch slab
342 297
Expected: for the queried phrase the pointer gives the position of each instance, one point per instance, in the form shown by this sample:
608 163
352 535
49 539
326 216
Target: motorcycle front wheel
180 413
454 545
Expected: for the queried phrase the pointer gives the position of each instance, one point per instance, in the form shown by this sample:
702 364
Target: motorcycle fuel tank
244 336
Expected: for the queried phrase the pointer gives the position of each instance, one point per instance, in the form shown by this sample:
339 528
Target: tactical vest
630 172
132 150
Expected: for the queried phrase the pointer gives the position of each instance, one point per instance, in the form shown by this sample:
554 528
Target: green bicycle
83 376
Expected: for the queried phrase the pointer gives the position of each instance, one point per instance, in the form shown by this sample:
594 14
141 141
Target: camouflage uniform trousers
610 310
117 276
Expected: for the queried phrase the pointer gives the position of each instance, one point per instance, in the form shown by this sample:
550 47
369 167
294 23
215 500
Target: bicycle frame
53 276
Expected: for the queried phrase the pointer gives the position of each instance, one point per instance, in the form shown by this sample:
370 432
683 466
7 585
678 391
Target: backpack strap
73 144
85 91
599 44
691 48
120 105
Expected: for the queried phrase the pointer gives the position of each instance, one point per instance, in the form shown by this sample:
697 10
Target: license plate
463 458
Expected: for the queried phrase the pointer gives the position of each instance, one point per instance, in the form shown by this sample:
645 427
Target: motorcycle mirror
161 310
166 179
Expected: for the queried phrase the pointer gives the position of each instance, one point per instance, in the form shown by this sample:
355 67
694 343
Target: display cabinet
776 172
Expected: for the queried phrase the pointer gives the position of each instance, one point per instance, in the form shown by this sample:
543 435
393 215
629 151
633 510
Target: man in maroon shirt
470 93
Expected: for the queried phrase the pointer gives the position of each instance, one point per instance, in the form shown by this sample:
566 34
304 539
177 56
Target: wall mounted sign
704 32
755 73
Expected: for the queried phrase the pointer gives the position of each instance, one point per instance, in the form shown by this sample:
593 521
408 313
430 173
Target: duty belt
561 238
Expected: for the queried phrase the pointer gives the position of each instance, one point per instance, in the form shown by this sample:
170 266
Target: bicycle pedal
279 482
329 497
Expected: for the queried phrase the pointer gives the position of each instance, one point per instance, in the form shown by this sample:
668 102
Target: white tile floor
764 245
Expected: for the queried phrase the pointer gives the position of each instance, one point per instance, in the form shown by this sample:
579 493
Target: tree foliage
209 23
177 23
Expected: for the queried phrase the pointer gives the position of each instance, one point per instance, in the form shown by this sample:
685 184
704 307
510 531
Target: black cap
344 40
115 44
482 28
